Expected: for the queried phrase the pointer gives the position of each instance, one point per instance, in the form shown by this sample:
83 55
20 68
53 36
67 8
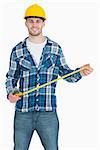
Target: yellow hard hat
35 11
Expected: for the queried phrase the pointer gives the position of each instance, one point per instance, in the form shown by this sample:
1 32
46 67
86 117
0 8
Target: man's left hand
87 69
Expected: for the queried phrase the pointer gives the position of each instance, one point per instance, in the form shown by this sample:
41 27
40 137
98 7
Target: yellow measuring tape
48 83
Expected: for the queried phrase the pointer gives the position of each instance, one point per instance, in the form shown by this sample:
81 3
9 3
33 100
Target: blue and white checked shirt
23 70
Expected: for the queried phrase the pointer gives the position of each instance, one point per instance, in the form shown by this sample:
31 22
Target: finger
89 69
16 96
83 72
14 100
87 72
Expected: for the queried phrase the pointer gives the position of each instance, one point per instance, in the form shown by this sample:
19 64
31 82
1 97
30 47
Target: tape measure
48 83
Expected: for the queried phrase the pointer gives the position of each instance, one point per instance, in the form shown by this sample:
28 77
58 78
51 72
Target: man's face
35 26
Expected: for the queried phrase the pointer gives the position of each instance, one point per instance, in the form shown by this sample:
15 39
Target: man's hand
13 98
86 70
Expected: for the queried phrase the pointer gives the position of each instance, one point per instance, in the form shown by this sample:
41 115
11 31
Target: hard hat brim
34 17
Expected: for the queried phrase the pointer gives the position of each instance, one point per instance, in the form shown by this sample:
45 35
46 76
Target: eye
30 21
38 21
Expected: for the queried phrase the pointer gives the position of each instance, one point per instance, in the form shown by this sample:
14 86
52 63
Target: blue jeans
45 123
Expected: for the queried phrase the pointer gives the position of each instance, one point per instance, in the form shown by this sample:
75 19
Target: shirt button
37 100
38 79
38 84
37 107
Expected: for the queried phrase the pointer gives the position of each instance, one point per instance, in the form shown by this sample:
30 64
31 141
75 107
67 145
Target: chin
35 34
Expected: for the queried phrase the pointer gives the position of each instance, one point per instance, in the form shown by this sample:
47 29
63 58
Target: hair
35 17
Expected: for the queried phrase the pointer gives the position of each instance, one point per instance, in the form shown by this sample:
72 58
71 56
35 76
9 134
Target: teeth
35 29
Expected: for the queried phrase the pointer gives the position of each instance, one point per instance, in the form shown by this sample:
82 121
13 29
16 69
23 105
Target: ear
25 23
44 23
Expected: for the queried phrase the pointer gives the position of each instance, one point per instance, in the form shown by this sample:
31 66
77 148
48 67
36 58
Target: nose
34 24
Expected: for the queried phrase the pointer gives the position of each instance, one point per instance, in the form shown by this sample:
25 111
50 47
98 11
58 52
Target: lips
35 29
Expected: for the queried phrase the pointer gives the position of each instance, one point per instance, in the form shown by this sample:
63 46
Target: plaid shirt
23 70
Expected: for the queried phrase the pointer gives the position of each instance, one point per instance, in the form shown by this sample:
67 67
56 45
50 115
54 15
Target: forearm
73 78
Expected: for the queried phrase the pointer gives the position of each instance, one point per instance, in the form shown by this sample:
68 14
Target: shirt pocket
50 61
25 65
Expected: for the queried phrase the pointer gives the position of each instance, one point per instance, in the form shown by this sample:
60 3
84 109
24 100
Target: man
33 62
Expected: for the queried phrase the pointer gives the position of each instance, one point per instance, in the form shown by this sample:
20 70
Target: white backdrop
74 24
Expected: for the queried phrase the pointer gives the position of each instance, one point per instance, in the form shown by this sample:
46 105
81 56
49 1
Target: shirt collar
46 49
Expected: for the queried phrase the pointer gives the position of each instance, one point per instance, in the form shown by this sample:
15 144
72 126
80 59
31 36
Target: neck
37 39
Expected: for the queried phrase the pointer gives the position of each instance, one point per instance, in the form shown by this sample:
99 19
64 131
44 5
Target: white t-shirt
35 50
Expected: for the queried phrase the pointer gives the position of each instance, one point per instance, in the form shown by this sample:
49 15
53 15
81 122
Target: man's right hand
13 98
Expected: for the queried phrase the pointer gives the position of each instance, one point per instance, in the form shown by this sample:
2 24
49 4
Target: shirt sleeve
12 75
64 69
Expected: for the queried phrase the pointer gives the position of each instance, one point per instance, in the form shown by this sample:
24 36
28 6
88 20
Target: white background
74 24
